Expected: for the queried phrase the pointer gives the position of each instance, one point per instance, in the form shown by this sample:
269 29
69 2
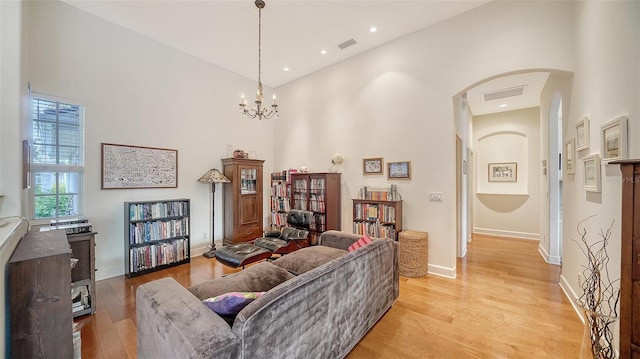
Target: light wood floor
505 303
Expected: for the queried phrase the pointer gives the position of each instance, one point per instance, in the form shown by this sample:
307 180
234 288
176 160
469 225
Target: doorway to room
529 205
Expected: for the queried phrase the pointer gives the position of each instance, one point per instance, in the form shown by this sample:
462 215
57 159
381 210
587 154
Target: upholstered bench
241 254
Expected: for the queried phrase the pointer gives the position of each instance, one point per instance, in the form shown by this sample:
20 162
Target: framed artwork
399 170
126 167
592 179
582 134
569 165
613 136
503 172
372 166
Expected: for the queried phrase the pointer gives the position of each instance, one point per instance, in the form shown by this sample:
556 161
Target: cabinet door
300 193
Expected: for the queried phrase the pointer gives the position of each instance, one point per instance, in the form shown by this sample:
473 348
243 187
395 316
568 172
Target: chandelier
259 111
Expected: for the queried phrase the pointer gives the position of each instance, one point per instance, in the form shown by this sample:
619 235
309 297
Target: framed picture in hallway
592 177
503 172
614 139
582 134
372 166
569 165
399 170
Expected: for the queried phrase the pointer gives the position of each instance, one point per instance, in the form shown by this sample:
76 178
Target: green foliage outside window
50 206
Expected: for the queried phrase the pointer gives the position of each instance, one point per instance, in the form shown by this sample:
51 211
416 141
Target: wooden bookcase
40 296
243 198
377 218
157 235
280 199
630 260
320 194
84 272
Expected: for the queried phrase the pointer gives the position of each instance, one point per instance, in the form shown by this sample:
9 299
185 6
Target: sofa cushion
363 241
256 278
231 303
308 258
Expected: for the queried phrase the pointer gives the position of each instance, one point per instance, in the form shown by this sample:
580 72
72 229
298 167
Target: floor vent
510 92
347 43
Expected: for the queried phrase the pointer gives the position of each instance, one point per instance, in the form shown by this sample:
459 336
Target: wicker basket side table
413 253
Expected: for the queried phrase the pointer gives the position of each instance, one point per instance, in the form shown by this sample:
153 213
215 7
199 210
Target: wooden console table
39 296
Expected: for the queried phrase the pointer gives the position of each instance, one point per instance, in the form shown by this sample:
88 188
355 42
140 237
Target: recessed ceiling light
324 52
286 69
373 29
503 105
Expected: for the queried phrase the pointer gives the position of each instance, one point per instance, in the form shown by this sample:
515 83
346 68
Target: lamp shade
213 176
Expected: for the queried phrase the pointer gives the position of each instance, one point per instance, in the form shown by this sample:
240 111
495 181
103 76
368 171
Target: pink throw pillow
363 241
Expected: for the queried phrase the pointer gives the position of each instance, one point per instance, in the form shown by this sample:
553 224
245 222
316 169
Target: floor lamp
212 176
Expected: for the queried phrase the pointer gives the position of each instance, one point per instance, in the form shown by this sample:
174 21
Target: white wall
556 83
12 88
463 116
508 208
606 84
140 92
395 101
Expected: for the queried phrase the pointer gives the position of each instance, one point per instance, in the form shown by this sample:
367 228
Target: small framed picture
614 139
372 166
582 134
503 172
399 170
569 156
592 173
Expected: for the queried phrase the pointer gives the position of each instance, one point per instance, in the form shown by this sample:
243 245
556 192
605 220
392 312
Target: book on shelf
145 211
284 175
376 229
380 194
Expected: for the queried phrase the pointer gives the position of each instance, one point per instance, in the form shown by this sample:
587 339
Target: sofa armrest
173 323
338 239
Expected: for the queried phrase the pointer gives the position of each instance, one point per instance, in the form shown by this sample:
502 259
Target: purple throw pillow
229 304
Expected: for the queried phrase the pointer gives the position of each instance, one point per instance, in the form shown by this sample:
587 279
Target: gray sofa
319 302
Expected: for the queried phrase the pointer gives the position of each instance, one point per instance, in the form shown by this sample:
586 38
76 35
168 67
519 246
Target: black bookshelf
157 235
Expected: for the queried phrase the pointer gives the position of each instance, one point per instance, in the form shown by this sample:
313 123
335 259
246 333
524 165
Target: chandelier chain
259 46
258 111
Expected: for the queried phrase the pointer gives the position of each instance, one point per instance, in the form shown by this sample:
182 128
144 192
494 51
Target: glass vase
597 338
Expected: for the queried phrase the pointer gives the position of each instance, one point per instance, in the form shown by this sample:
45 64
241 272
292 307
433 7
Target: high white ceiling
225 33
293 32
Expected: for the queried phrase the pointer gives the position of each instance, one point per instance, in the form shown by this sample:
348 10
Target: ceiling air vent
347 43
510 92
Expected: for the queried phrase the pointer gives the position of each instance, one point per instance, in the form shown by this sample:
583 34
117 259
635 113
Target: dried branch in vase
600 294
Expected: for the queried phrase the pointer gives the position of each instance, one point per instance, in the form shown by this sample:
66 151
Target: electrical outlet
580 279
435 196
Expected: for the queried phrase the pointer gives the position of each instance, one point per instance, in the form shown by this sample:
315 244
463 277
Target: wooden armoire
630 260
242 200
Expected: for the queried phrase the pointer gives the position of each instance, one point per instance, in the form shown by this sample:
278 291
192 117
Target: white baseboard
442 271
106 273
502 233
548 258
571 296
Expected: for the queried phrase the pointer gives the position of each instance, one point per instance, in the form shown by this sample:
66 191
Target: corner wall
12 88
395 101
606 84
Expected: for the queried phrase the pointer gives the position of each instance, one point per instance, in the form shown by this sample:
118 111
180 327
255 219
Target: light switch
435 196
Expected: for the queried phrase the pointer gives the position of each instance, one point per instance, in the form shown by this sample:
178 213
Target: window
57 158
